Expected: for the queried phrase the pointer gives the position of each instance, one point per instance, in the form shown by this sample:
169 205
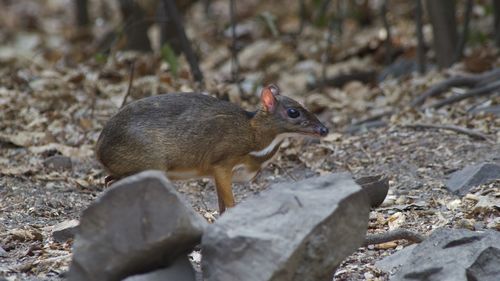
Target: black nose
323 131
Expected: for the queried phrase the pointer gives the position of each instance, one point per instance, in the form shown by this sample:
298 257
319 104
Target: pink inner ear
268 100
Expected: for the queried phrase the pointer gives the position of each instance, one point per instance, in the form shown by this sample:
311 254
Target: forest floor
57 91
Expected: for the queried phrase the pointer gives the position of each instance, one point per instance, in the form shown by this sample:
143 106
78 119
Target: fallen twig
458 81
483 91
397 234
285 171
457 129
464 81
130 81
374 117
338 81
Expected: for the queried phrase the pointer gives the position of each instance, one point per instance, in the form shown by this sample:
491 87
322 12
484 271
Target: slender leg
109 180
223 183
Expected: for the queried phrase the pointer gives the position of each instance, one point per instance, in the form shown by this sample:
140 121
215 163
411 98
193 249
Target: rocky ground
56 93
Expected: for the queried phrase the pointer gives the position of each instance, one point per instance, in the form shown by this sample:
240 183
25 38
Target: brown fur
194 132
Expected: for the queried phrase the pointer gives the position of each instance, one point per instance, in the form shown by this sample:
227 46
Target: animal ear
274 89
268 98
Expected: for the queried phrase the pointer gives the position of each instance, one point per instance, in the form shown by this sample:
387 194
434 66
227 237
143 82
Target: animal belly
183 174
242 174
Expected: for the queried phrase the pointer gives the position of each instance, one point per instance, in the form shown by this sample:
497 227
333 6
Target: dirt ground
417 163
54 102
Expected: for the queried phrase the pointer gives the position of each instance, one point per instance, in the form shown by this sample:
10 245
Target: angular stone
460 182
58 163
446 255
376 187
3 253
293 231
64 231
486 267
395 261
180 270
138 225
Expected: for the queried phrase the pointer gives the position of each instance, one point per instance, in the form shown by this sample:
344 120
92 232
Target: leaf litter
56 93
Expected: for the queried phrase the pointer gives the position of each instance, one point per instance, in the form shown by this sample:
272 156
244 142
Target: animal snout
322 131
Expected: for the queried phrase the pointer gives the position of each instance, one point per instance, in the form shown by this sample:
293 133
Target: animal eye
293 113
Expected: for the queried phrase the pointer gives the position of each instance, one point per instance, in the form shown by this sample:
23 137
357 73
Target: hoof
109 180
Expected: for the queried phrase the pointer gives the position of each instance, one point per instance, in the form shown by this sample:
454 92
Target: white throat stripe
273 144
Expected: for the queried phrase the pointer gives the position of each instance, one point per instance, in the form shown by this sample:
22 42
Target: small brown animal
190 135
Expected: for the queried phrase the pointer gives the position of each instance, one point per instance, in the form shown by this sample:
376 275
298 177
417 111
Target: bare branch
397 234
173 15
483 91
458 81
457 129
465 31
387 27
420 38
130 81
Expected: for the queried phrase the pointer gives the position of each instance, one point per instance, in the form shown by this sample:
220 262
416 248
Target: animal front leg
109 180
223 184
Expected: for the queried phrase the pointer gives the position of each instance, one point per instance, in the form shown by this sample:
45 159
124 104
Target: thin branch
458 81
235 64
483 91
285 171
387 27
397 234
374 118
457 129
420 38
207 8
462 81
173 14
488 77
465 31
94 92
496 13
130 81
82 13
302 14
325 59
365 77
321 11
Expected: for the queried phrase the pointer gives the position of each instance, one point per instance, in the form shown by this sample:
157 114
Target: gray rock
446 255
393 262
376 187
180 270
58 163
3 253
486 267
293 231
138 225
65 230
462 181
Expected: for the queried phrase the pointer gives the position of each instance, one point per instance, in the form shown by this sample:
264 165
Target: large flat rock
453 255
180 270
292 231
486 267
460 182
138 225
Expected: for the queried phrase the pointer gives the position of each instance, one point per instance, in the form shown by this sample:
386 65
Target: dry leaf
396 220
